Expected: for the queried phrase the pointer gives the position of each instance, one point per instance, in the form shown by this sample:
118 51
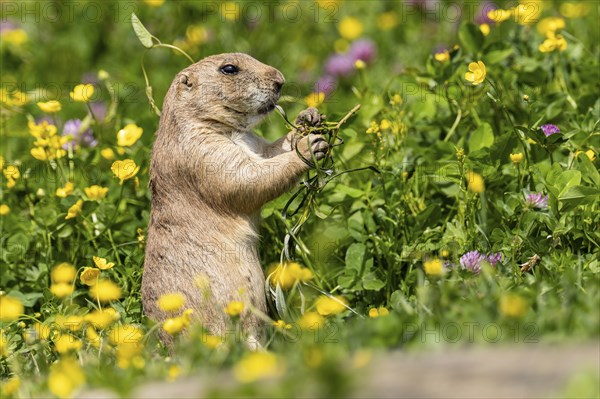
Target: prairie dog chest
250 143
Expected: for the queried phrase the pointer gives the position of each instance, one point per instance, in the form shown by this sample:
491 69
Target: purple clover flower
363 49
100 110
473 260
339 65
72 128
326 84
538 200
549 129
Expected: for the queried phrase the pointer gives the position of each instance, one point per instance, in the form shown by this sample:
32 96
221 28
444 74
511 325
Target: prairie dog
209 177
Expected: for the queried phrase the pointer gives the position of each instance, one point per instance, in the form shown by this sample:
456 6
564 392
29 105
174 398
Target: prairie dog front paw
313 144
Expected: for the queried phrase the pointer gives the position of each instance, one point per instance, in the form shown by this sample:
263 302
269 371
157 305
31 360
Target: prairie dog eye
229 69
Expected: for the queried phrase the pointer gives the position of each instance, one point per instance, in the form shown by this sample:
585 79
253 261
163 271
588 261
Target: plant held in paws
303 201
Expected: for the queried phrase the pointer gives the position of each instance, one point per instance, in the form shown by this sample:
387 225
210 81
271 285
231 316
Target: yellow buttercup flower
378 312
173 373
589 153
105 291
350 28
384 124
314 99
442 56
516 158
82 93
63 273
128 136
211 341
65 377
10 308
92 336
171 302
12 172
173 325
89 276
499 15
64 343
513 306
10 386
154 3
71 322
101 319
61 290
3 344
282 325
14 37
95 192
102 263
49 107
107 153
485 29
257 366
550 24
387 20
477 72
234 308
287 274
74 210
475 182
311 321
575 9
4 209
553 43
359 64
327 305
433 267
124 170
66 190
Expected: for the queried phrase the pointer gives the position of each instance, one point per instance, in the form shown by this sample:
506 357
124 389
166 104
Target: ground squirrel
209 177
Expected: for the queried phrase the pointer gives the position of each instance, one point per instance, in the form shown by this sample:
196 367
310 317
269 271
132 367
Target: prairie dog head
232 90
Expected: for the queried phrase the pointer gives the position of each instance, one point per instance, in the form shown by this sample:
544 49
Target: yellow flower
65 343
282 325
92 336
475 182
74 210
95 192
476 74
49 107
211 341
39 153
513 305
101 319
314 99
327 305
102 263
12 172
173 325
4 209
373 128
387 20
82 93
589 153
575 10
433 267
359 64
311 321
234 308
10 386
516 158
89 275
154 3
378 312
108 154
65 191
14 37
63 273
442 56
128 136
126 334
10 308
396 99
384 124
288 274
171 302
124 169
499 15
350 28
61 290
257 366
550 24
485 29
173 372
528 11
553 43
71 322
105 291
3 344
65 377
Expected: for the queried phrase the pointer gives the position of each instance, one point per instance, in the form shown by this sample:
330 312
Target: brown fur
209 177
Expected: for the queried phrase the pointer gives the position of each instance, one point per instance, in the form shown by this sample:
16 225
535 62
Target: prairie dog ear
185 80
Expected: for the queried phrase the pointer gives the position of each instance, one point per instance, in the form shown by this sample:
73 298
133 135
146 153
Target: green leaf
350 191
495 57
568 179
482 137
371 282
141 32
578 195
470 37
588 170
355 255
